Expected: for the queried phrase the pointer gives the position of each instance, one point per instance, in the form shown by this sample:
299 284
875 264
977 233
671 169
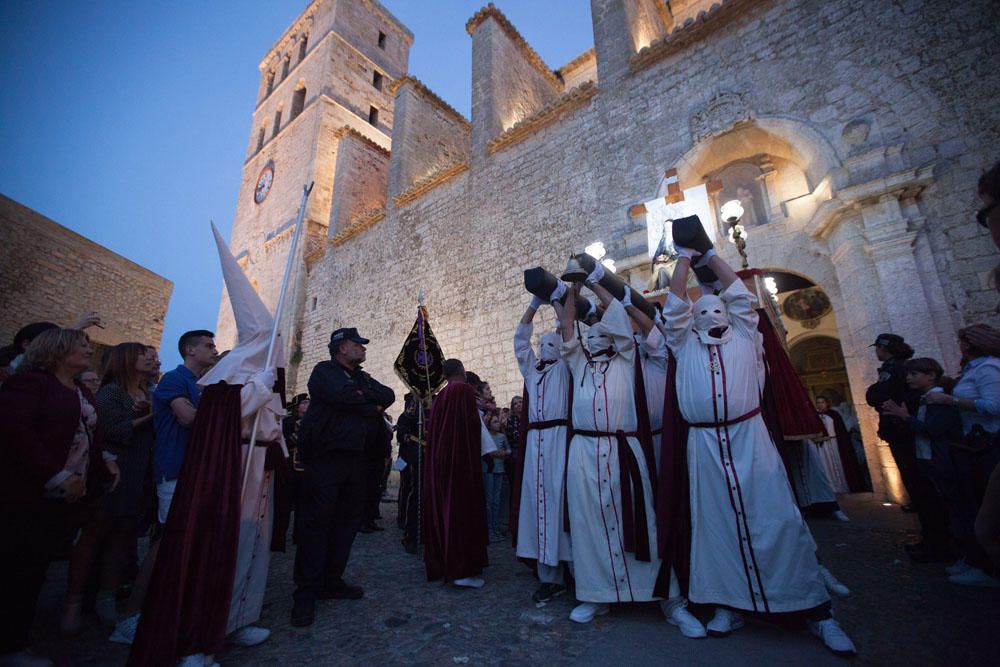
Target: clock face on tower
264 182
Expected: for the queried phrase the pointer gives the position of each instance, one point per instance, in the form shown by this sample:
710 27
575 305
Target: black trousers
409 501
374 469
931 510
331 503
33 535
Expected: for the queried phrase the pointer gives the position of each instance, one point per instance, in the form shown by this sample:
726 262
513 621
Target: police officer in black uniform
344 413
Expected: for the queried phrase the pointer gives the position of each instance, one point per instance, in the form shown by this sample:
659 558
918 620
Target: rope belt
635 526
548 423
742 418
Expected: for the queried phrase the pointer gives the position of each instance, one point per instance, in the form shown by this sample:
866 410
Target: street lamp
732 213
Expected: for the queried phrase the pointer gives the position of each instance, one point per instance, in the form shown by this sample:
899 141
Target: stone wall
430 135
362 176
49 273
798 74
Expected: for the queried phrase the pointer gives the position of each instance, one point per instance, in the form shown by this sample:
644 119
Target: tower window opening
277 122
270 82
381 39
377 80
373 116
285 66
298 102
303 45
313 304
260 138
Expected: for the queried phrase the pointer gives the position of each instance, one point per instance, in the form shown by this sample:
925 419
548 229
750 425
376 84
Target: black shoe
303 614
410 547
915 546
341 591
547 593
908 509
366 528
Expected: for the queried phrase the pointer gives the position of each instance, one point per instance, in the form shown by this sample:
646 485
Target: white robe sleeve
487 444
619 325
253 396
526 359
741 306
679 320
655 348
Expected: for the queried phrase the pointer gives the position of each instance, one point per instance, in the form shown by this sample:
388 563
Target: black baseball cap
347 333
886 339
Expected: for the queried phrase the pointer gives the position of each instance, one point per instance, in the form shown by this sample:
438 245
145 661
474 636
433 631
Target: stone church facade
855 131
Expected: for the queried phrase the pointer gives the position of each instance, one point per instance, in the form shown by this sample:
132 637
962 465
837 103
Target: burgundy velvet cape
848 460
787 413
454 506
187 605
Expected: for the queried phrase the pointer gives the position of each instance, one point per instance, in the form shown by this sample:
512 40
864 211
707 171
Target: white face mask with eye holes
710 313
598 342
548 346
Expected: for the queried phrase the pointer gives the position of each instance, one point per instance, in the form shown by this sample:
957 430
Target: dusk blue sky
127 122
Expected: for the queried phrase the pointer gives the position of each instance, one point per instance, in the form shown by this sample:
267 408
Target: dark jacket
38 420
942 425
891 386
345 409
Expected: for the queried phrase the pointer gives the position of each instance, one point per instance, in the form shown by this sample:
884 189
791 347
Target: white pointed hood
253 326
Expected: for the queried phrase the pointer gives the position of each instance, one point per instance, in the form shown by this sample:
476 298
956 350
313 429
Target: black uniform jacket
344 409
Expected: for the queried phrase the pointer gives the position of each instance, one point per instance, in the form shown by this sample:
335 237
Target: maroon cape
454 507
187 605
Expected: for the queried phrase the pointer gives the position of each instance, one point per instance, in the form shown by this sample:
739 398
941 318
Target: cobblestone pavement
899 613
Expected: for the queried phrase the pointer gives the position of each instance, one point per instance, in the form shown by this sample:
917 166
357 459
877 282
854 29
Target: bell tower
323 114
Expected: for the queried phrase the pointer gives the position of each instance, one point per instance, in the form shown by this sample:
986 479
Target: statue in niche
740 181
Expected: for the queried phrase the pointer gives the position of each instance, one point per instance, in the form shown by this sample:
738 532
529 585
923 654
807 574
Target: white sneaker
840 516
24 658
975 577
724 622
689 626
833 584
833 636
106 609
193 660
470 582
585 613
124 632
958 567
248 635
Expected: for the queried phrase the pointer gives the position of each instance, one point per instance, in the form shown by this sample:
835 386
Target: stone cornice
429 182
419 86
544 116
581 60
693 29
490 11
348 130
358 225
901 184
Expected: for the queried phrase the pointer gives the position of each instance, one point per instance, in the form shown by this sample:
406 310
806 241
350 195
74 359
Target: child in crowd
493 474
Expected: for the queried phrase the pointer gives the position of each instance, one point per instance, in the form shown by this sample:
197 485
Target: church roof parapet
490 11
544 116
348 130
431 181
581 60
419 86
358 225
692 29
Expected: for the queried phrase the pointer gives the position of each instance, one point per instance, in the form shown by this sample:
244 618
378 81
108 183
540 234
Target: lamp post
732 213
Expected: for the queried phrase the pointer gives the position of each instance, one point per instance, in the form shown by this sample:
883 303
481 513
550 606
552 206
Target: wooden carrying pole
274 329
